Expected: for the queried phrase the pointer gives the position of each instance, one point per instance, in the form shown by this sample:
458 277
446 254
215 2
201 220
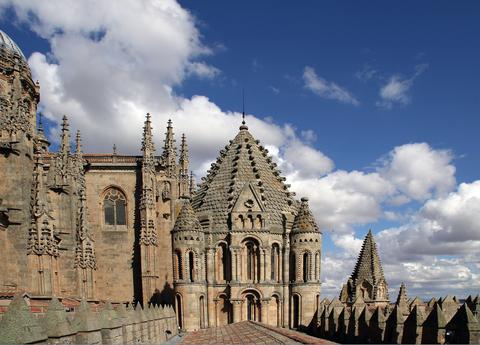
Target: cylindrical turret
189 269
305 256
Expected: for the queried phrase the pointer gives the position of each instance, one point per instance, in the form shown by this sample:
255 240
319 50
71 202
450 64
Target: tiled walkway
248 333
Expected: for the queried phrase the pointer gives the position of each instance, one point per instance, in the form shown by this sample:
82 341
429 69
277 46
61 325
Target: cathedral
85 230
126 228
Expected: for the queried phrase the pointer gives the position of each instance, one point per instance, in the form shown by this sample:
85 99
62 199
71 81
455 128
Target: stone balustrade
109 325
436 322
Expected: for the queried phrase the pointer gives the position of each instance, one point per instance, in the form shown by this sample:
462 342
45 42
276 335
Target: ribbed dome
8 44
243 162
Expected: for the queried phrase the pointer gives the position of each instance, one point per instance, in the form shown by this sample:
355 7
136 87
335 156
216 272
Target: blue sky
370 108
267 44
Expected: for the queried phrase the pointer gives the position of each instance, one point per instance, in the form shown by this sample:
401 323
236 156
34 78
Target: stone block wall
437 322
108 325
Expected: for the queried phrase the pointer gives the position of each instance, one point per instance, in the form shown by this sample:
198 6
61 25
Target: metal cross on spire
243 106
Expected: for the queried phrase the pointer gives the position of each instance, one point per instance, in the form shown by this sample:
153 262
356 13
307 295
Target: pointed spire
78 143
304 221
192 184
402 299
368 265
169 155
147 141
183 161
65 142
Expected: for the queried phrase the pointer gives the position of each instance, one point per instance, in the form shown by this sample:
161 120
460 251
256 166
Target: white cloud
110 64
326 89
341 199
396 90
418 171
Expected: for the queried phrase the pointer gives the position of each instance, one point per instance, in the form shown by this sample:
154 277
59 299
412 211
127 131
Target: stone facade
135 228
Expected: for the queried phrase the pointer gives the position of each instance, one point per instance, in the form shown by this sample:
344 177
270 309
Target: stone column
261 252
210 265
264 310
268 264
286 292
233 261
237 310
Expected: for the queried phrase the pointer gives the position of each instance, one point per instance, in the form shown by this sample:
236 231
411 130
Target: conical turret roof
368 266
187 219
244 161
304 220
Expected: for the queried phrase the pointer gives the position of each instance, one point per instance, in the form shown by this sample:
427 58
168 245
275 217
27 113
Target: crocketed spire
169 154
187 219
148 148
402 298
183 161
368 266
304 221
65 141
244 161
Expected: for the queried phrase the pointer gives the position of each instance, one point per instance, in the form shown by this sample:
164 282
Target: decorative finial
114 149
169 123
243 126
78 142
243 106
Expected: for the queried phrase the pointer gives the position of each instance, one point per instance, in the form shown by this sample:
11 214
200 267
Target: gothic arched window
114 207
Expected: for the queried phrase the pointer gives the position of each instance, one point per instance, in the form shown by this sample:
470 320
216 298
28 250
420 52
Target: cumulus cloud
326 89
418 170
343 199
109 65
396 90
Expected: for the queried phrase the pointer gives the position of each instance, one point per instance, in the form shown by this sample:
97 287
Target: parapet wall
120 325
416 322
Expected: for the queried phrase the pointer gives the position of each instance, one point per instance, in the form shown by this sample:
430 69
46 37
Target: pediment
248 200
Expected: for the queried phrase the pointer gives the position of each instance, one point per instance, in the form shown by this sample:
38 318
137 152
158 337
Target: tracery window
114 207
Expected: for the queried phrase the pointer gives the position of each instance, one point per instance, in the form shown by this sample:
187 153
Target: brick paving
247 332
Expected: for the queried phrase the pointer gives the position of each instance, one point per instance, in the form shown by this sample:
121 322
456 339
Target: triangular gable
248 200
